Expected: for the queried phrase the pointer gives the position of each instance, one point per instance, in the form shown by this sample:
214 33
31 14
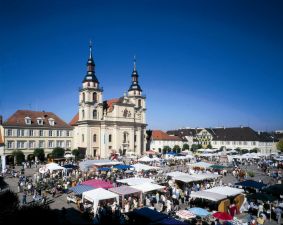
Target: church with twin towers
102 127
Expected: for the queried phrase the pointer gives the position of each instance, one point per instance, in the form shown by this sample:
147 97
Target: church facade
102 127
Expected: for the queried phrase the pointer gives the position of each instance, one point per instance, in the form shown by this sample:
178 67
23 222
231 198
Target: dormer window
39 121
28 120
51 121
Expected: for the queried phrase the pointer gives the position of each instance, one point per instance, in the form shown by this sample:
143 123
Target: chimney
1 119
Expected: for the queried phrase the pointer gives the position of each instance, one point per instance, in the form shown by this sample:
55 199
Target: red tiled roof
160 135
18 119
74 120
110 103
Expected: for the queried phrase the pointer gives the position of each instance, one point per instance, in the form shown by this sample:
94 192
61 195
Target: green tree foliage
254 150
39 153
186 147
209 146
166 149
76 153
58 152
19 156
194 147
176 148
280 145
199 146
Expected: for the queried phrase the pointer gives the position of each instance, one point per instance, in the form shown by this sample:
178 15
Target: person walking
24 199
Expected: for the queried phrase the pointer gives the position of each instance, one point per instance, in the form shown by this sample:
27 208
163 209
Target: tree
76 153
280 145
209 146
166 149
148 139
39 153
176 148
186 147
19 156
58 152
255 150
199 146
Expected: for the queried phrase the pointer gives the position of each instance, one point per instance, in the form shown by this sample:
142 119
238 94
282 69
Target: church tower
135 91
90 99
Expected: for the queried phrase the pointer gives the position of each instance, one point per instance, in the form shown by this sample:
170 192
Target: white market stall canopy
99 194
148 159
187 178
208 195
139 167
148 187
176 174
135 181
225 190
51 167
205 176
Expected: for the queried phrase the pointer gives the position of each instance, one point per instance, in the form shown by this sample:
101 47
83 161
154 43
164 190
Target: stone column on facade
3 163
115 139
138 141
132 140
102 147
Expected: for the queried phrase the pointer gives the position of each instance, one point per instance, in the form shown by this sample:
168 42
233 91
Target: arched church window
94 97
83 137
139 103
94 138
83 114
94 114
83 97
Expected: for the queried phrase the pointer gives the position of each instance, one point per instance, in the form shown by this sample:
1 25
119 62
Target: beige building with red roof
159 139
27 130
112 126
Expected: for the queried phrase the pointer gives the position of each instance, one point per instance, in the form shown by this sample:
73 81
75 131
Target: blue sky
201 63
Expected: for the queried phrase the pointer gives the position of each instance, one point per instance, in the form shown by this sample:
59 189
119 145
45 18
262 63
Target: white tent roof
135 181
176 174
99 194
201 164
53 166
208 195
205 176
148 187
187 178
148 159
139 167
225 190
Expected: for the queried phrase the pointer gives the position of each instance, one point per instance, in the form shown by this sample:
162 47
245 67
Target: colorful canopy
185 214
171 220
98 183
122 167
148 215
199 212
222 216
124 190
79 189
251 184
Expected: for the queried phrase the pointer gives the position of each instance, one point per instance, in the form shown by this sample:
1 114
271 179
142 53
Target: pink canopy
98 184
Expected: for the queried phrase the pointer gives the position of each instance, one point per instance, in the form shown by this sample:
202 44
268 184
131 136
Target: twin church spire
90 75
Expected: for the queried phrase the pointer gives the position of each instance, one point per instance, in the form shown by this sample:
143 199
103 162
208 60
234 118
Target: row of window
37 133
234 142
39 121
125 138
39 144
